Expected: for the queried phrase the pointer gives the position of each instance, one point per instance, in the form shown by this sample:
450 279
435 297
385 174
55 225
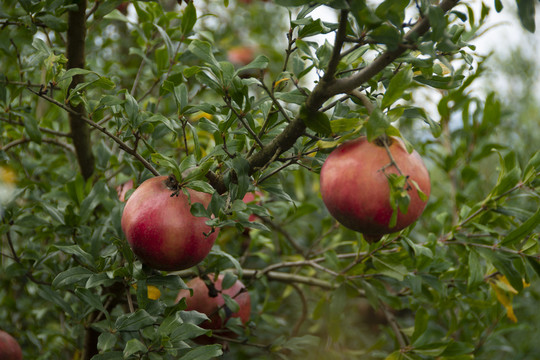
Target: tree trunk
76 37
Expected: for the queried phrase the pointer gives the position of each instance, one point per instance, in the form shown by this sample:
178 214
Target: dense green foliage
158 94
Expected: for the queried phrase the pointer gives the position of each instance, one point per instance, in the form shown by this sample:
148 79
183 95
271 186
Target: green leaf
106 341
111 355
421 321
377 124
169 163
48 294
346 124
506 182
526 11
134 346
498 5
397 86
166 39
388 35
393 270
91 299
441 82
314 27
195 136
97 195
504 264
437 22
187 330
135 321
316 121
260 62
523 230
231 303
181 97
160 119
75 250
32 128
293 97
396 355
231 258
419 249
205 352
189 18
71 276
201 186
132 108
75 71
476 270
532 168
535 264
203 50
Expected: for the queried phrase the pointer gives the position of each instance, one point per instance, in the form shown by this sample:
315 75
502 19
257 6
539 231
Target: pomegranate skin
161 230
356 192
202 302
9 347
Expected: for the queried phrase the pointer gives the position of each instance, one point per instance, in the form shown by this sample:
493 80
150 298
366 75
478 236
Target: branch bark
328 87
76 37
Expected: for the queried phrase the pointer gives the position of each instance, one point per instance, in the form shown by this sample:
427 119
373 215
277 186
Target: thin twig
42 129
243 121
304 314
282 231
45 140
400 336
271 275
116 139
364 99
272 173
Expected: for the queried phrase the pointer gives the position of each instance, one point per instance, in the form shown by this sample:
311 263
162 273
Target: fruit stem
386 141
172 183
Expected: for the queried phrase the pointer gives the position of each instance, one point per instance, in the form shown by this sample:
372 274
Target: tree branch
341 34
95 125
45 140
325 89
76 37
42 129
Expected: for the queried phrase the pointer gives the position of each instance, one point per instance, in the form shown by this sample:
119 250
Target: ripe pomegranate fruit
355 188
160 228
207 301
9 347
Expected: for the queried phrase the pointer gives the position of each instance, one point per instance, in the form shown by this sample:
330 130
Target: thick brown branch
338 43
76 37
348 84
326 89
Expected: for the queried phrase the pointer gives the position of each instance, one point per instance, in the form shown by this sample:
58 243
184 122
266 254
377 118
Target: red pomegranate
355 188
9 347
207 303
160 228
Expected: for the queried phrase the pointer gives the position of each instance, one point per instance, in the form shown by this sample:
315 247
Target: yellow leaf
199 115
504 284
505 301
153 292
280 81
